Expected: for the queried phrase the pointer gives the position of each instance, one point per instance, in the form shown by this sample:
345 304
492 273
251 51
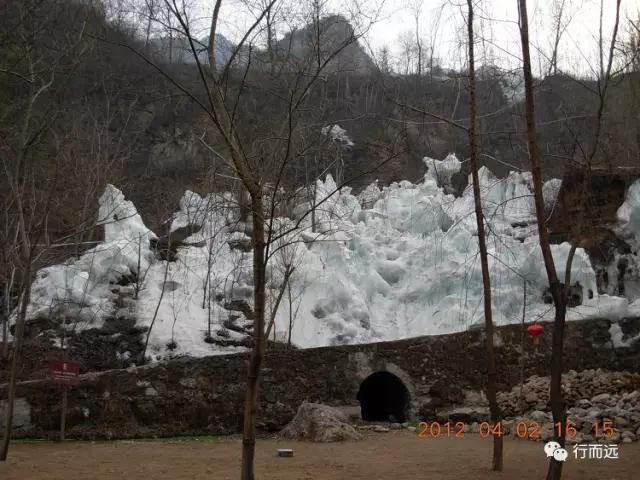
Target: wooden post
63 411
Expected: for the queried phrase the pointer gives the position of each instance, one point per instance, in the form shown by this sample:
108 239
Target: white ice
337 134
393 262
80 288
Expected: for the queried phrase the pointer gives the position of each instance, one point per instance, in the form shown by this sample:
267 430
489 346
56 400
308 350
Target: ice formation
337 134
392 262
443 171
629 212
408 265
512 83
80 288
204 272
625 269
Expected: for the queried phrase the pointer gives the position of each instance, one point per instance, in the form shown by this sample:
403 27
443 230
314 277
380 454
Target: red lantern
535 330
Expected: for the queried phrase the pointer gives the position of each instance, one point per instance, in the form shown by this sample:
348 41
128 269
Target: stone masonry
197 396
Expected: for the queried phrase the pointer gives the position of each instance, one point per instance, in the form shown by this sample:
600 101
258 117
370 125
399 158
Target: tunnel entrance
383 397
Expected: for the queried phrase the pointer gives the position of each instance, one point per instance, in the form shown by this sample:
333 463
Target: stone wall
205 396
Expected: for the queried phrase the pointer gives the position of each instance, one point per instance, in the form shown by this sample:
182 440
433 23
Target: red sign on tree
64 373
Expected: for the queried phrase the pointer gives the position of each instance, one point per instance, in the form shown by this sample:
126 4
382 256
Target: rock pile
576 386
592 397
320 423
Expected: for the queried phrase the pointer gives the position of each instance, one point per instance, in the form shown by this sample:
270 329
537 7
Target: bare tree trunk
484 260
6 308
418 44
557 402
553 64
136 291
557 292
17 348
272 320
147 38
313 207
257 350
601 45
290 315
522 337
207 280
63 411
155 314
209 317
5 334
212 36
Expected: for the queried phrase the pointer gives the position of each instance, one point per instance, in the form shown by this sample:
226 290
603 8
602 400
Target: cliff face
333 34
587 213
178 50
604 191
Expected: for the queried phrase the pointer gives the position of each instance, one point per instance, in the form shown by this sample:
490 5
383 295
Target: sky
441 24
497 20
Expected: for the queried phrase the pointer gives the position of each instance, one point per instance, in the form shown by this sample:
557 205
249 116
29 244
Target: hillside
157 154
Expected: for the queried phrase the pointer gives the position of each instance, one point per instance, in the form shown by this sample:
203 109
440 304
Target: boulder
577 438
538 416
627 434
602 398
21 414
546 432
468 414
583 403
320 423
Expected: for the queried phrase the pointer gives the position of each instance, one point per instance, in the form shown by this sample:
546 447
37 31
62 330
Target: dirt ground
397 455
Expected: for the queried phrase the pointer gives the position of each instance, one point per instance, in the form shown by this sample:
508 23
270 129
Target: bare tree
560 24
7 296
287 258
407 55
559 299
558 291
55 154
255 156
24 202
384 60
158 304
416 11
630 47
482 244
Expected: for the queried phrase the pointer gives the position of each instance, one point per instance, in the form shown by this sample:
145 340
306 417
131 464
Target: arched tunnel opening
383 397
